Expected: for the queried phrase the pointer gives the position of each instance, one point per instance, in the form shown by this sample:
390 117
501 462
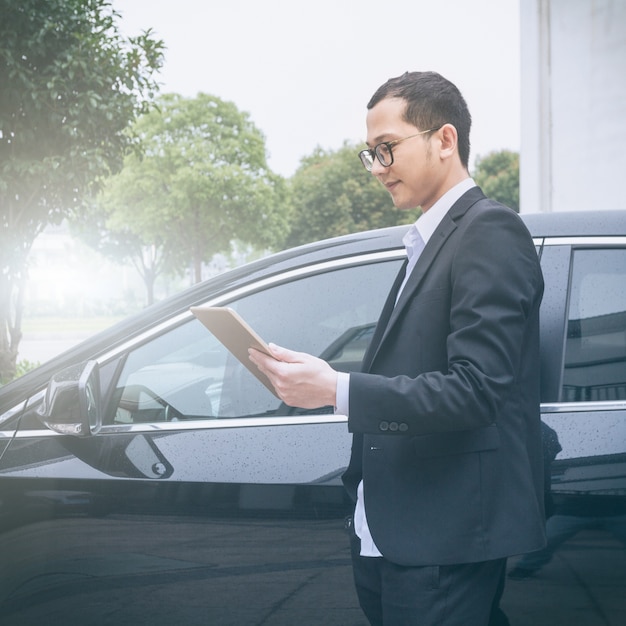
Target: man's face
413 179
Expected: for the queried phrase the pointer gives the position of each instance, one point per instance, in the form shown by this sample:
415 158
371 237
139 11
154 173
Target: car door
198 497
580 577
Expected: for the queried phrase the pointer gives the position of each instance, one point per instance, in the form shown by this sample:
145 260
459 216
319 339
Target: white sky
304 70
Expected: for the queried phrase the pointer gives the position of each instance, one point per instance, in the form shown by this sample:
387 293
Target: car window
595 349
185 373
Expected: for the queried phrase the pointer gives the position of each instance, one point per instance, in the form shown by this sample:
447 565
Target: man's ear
449 140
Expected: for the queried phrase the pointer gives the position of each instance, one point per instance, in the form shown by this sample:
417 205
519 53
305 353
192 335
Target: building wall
573 109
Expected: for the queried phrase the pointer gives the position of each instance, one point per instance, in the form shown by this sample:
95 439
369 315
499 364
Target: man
446 465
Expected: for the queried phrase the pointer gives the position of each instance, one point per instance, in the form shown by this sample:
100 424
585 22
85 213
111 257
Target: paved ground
39 347
173 570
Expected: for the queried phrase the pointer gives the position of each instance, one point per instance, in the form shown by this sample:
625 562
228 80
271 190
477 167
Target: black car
147 477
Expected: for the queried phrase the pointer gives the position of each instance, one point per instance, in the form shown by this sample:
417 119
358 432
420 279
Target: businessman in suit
446 464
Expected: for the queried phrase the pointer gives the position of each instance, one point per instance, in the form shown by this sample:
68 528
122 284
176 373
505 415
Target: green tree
201 182
498 176
334 195
71 85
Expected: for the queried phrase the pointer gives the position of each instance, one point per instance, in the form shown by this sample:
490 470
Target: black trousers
446 595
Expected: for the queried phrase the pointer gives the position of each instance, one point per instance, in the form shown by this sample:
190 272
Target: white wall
573 108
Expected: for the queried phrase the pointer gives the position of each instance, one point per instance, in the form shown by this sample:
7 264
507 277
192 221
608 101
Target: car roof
576 223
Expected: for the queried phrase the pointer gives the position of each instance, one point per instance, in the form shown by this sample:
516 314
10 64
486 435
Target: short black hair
431 102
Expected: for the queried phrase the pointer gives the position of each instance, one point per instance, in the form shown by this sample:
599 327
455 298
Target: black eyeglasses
383 153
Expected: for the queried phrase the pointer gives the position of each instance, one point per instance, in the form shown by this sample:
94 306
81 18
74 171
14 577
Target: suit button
383 426
393 426
403 427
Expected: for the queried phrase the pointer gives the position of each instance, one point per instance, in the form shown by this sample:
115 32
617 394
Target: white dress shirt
415 241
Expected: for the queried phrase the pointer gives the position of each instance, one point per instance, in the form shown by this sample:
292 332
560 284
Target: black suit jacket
445 414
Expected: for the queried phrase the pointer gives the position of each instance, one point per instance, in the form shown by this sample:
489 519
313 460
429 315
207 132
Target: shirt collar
427 222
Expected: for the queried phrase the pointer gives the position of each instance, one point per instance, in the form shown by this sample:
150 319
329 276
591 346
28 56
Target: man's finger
286 355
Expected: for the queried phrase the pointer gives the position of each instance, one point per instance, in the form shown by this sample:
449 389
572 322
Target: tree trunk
149 280
10 325
197 269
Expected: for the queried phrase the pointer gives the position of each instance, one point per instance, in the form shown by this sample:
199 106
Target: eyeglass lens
383 152
367 159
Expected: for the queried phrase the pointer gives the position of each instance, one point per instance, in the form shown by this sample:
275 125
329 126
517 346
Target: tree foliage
498 176
70 87
332 194
201 182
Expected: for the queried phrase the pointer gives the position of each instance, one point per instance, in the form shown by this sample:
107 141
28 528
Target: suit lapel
392 313
424 262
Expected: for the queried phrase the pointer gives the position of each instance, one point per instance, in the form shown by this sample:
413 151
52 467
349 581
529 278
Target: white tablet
235 334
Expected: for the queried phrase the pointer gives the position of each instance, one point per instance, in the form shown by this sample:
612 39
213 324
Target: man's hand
299 379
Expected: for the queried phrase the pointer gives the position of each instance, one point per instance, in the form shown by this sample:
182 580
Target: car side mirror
72 402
